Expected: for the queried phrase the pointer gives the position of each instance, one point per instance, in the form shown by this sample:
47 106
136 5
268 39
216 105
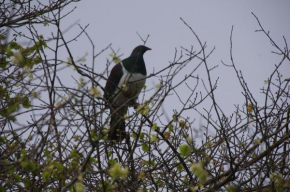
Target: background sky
117 22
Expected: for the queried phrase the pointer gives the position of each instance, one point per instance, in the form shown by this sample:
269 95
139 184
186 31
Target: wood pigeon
123 86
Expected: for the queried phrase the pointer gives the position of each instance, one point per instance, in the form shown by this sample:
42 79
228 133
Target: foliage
53 133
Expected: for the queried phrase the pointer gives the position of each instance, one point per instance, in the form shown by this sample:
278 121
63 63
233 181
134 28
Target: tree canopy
53 135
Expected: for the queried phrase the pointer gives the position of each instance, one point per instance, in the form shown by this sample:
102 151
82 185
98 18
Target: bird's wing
113 80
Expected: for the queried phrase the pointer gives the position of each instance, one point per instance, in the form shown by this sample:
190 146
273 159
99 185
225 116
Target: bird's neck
135 64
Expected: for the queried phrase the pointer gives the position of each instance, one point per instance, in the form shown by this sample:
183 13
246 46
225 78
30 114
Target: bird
123 86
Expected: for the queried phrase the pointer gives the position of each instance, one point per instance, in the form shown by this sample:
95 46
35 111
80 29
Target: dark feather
112 82
117 123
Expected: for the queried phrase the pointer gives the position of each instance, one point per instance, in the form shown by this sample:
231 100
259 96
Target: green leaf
199 171
13 45
11 169
142 134
2 189
182 123
112 161
26 182
3 62
145 147
231 188
59 166
46 175
116 171
12 108
115 58
26 103
2 139
18 59
29 166
17 178
185 150
154 138
43 43
73 154
47 153
143 109
180 168
93 160
9 52
37 59
110 153
170 127
174 118
154 126
3 92
12 118
79 187
149 162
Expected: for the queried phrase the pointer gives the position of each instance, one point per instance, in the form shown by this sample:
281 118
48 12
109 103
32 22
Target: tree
54 135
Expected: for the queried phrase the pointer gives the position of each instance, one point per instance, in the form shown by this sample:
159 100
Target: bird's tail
117 124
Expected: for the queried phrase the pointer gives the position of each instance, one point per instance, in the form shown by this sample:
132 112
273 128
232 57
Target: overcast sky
117 22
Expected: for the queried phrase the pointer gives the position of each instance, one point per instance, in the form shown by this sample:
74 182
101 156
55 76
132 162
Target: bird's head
140 50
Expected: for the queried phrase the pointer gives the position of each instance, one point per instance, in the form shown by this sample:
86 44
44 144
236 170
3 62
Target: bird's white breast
129 88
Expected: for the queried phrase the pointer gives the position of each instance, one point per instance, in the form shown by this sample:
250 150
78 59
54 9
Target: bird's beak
149 48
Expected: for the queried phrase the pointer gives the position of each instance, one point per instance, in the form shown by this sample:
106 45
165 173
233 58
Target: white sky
117 22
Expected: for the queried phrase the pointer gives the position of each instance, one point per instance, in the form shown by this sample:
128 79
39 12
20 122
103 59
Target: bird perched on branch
123 86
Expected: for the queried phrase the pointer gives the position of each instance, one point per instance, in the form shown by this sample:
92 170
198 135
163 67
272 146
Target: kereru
123 86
